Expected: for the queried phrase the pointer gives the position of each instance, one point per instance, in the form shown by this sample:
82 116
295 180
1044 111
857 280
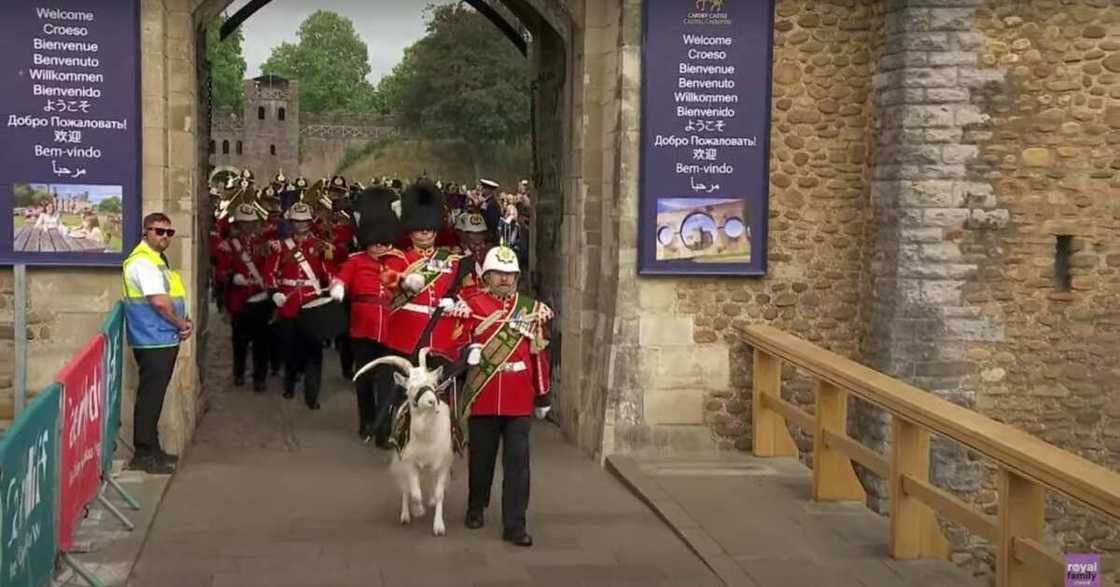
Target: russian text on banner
113 330
80 475
29 493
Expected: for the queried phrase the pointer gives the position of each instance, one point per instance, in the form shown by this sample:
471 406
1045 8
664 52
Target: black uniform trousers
345 346
486 433
374 388
156 367
304 355
250 330
276 347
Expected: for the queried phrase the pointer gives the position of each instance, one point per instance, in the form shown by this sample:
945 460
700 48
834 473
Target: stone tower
271 126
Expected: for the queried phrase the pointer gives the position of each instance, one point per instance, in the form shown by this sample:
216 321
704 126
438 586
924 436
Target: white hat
245 213
299 211
501 259
489 183
470 222
524 182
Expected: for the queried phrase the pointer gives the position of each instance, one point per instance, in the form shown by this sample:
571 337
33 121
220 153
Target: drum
323 319
259 311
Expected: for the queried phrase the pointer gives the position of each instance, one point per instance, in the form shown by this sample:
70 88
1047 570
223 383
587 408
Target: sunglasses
163 231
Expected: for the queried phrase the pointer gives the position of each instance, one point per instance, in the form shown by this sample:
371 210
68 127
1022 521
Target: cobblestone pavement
274 494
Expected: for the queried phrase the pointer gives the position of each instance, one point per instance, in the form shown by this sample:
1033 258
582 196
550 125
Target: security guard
156 322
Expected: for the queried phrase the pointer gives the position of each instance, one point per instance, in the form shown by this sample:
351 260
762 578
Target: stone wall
1048 152
822 138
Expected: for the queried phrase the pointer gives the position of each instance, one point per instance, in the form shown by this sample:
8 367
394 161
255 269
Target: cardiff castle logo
707 12
709 5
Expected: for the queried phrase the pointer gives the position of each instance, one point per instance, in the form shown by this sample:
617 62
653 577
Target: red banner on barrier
83 391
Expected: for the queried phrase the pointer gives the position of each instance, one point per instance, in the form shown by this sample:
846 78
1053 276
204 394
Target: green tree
330 62
464 80
26 195
109 205
227 66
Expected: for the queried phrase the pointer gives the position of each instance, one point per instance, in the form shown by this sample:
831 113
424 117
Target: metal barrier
56 460
1027 465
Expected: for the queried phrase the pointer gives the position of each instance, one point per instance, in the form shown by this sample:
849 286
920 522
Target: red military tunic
512 390
271 229
284 273
219 230
343 237
365 279
245 256
407 322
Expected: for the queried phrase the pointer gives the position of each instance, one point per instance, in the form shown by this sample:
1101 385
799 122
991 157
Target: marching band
388 268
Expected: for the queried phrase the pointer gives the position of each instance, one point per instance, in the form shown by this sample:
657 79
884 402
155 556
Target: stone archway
556 57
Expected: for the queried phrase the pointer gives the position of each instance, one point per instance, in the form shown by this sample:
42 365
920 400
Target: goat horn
398 362
424 358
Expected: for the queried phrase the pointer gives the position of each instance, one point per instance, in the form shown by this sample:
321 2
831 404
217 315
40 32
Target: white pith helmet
299 211
245 213
501 259
470 222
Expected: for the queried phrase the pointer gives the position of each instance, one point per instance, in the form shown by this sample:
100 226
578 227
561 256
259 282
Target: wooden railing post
1021 515
914 530
771 437
834 479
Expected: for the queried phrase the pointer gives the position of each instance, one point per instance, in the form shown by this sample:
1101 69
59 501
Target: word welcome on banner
113 331
70 131
704 194
83 394
29 493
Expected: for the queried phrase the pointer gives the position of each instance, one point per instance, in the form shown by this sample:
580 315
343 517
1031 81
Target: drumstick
466 267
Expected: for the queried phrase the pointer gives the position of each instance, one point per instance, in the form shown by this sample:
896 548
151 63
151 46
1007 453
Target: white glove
446 304
338 291
413 282
541 412
239 279
475 356
279 299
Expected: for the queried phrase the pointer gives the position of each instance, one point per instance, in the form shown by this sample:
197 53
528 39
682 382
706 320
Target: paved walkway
274 494
754 522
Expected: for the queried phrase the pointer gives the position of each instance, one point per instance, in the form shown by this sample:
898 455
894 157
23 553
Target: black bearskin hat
377 223
422 207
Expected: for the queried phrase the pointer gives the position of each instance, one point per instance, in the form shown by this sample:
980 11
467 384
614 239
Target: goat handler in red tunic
507 383
368 279
427 280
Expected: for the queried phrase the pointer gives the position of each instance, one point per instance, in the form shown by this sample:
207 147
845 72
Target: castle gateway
940 202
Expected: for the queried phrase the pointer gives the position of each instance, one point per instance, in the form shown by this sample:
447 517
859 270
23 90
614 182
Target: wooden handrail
1026 465
1011 448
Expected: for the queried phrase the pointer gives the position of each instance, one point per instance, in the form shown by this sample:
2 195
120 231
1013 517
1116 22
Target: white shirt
144 276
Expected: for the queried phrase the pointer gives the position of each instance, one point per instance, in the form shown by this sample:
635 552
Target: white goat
429 449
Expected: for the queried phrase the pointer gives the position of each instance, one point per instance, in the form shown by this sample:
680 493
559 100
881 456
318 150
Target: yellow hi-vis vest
145 327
